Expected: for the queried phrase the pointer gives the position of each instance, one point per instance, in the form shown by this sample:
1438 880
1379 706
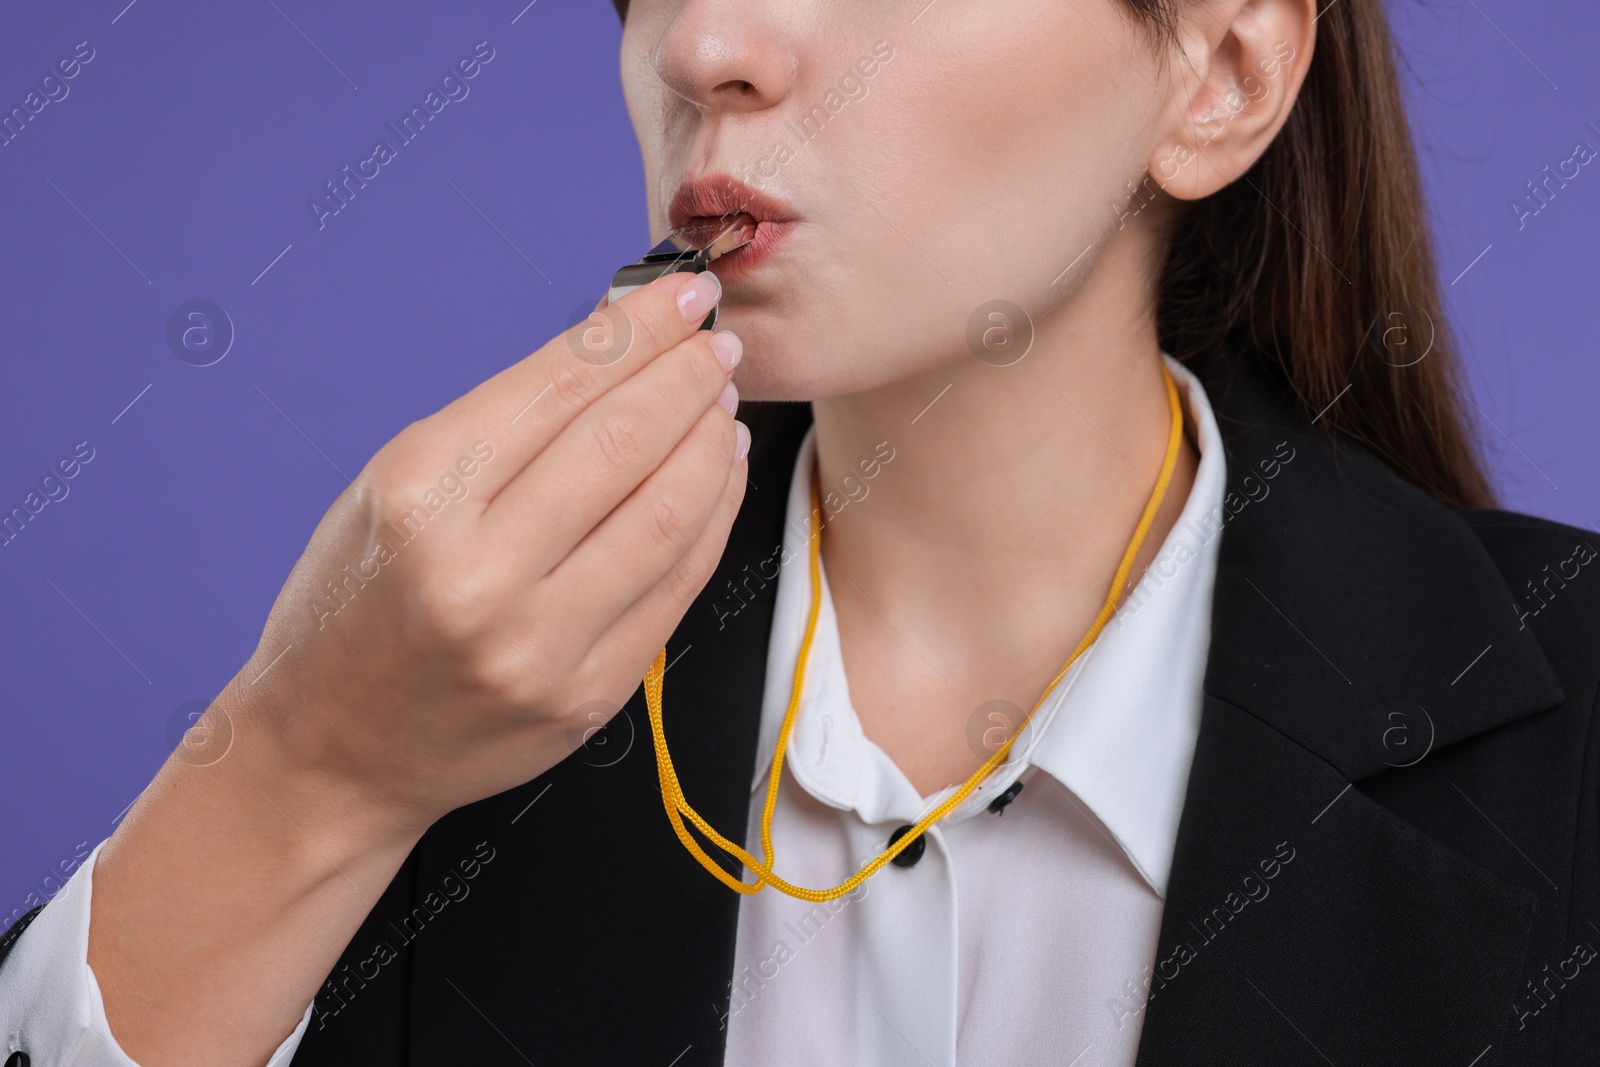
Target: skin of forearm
234 887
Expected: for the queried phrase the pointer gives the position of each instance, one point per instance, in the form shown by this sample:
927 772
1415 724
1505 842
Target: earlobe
1177 157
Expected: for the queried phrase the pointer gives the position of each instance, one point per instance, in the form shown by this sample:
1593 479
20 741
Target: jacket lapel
1305 922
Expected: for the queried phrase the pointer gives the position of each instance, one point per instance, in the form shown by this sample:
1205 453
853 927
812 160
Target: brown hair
1312 259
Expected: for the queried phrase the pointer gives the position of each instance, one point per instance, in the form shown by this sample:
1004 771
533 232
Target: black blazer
1387 855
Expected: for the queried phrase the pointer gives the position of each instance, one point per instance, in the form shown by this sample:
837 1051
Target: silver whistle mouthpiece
691 248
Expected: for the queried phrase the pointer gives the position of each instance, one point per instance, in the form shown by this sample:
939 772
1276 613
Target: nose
724 55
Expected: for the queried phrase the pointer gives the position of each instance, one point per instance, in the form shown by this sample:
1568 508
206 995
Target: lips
710 205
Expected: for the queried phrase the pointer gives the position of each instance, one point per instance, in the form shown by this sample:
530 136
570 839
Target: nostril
722 56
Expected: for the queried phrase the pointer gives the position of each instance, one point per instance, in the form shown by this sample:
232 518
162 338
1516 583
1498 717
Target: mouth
720 212
721 235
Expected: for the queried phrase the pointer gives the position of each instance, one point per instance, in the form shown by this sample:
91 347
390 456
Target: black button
17 1059
998 804
913 851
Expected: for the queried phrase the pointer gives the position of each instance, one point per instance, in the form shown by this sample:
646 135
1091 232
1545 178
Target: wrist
272 764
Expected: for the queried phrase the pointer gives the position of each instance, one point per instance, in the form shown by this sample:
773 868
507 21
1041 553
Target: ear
1234 77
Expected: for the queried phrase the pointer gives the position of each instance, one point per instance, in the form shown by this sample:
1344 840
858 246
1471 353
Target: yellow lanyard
672 793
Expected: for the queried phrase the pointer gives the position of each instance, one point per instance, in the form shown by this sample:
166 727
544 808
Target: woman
1321 790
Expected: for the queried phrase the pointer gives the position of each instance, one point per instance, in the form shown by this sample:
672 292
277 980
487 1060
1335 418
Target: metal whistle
691 248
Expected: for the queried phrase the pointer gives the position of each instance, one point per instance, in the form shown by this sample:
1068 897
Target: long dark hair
1318 262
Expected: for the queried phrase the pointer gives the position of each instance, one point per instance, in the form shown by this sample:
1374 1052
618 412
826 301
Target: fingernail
741 440
697 298
729 398
728 347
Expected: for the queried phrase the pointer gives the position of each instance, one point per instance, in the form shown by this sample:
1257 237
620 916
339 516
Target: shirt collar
1117 733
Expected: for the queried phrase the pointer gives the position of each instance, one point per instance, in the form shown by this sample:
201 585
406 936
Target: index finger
520 410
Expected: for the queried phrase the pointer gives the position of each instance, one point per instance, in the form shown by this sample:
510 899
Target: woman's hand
496 567
508 560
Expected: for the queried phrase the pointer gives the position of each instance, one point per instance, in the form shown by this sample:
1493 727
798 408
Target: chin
792 371
777 365
777 376
797 357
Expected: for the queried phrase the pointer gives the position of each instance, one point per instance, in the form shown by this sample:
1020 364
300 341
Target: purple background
179 167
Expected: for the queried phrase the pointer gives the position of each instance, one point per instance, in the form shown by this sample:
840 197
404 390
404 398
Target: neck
987 544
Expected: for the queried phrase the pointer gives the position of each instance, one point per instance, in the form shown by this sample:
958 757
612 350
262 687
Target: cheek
1033 135
649 103
980 166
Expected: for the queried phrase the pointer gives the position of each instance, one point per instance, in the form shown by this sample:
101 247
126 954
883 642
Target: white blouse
1020 939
